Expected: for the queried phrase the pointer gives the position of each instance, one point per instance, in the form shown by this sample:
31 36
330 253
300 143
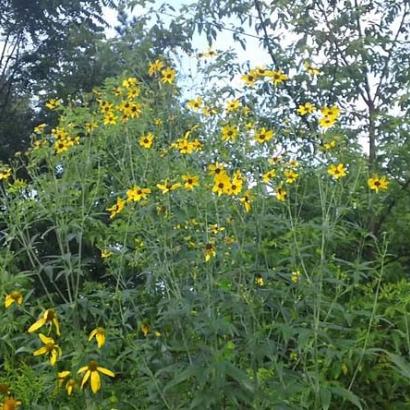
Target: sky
224 41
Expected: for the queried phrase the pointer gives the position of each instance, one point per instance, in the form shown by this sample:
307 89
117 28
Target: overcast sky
255 54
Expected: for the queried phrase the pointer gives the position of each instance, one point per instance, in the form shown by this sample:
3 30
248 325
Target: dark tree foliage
40 44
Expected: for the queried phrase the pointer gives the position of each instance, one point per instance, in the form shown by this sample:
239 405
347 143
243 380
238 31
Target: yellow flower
145 329
59 133
221 184
260 71
207 54
5 173
130 82
168 75
229 133
327 146
246 201
209 111
259 280
268 176
157 122
295 276
327 122
39 129
48 317
313 71
50 348
99 334
216 168
13 297
167 186
293 164
61 376
116 208
249 78
37 144
378 184
215 229
90 126
105 106
275 160
191 181
263 135
53 104
337 171
290 175
69 386
106 253
61 146
133 111
281 194
210 251
92 371
195 104
234 188
233 105
10 403
306 109
137 194
155 67
184 146
333 111
110 119
278 77
146 141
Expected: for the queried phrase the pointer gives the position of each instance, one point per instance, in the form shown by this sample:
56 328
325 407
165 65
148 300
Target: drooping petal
92 334
83 369
41 351
8 301
86 377
63 374
95 381
45 339
57 326
70 387
36 325
100 339
105 371
54 357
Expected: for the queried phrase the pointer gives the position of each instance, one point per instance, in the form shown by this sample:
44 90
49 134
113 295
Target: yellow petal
70 388
57 325
83 369
92 334
105 371
63 374
39 352
54 357
8 301
36 325
95 382
45 339
85 378
100 339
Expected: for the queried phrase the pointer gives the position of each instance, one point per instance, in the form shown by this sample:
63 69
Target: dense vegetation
239 245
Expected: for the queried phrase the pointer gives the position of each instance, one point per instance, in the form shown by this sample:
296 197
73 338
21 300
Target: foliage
230 250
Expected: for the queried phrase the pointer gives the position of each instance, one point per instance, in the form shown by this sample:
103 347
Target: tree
38 41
